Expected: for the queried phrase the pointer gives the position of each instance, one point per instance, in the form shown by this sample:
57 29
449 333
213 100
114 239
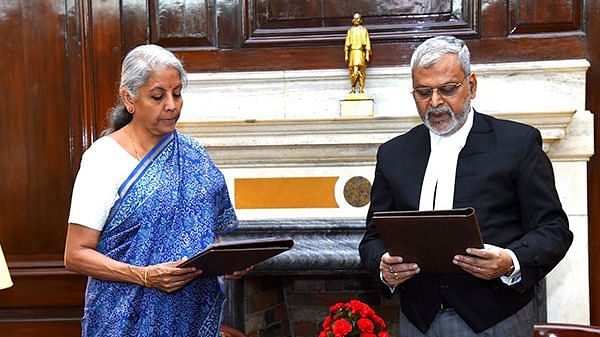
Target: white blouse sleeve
104 167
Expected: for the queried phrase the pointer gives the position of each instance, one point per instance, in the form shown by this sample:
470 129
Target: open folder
429 238
226 257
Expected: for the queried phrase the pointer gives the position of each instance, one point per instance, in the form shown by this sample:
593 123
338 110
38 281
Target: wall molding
350 141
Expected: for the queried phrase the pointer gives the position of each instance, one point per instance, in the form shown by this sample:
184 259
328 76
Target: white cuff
515 277
389 286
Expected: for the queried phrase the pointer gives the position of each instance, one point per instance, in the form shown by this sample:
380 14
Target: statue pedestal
357 105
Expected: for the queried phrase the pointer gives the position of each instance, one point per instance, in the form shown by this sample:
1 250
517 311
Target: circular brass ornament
357 191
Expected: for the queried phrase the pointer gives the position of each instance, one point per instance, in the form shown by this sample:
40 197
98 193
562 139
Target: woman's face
158 103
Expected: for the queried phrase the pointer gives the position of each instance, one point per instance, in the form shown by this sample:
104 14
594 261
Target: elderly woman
145 198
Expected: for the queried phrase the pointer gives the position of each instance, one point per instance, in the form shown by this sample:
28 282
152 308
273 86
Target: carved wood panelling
541 16
62 69
186 23
284 22
44 126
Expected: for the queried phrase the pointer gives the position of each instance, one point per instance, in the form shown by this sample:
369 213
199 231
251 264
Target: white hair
137 66
430 51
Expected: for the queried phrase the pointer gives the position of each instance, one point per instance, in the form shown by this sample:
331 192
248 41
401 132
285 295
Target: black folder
429 238
224 258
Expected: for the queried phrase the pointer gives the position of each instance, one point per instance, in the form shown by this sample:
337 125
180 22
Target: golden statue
357 53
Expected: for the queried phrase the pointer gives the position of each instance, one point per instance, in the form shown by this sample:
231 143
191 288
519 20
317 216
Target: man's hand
488 263
394 272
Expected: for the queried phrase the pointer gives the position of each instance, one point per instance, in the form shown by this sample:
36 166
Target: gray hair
137 66
430 51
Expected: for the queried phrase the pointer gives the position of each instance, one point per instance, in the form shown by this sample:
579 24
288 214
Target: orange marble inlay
304 192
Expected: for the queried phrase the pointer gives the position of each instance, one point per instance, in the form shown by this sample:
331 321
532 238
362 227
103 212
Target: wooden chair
227 331
565 330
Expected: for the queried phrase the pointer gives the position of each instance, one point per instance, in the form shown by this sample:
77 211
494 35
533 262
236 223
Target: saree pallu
173 204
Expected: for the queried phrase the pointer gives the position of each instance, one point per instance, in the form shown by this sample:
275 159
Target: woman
145 198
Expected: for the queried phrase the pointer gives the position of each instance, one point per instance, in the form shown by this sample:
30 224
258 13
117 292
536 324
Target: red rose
379 321
353 318
365 325
327 323
360 309
336 307
356 306
341 328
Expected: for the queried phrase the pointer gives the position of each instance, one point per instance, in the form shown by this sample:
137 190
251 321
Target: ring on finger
396 275
391 269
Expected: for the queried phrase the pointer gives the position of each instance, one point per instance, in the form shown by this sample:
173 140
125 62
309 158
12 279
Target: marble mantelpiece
321 246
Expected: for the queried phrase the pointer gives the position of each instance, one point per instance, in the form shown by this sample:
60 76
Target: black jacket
503 173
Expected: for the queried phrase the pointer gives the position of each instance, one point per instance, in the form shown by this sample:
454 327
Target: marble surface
315 94
321 246
567 135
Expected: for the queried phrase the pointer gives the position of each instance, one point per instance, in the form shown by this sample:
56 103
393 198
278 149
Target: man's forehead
447 63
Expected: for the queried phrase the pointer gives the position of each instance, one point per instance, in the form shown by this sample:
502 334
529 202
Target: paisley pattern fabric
174 204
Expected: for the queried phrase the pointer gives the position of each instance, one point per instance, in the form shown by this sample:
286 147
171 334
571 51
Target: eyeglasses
446 90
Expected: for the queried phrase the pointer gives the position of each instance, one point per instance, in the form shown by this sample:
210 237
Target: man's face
444 114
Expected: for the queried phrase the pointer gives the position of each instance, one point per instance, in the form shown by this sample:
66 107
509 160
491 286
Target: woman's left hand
239 274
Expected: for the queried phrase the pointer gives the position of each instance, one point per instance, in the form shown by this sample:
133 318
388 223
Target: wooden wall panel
59 328
229 23
383 8
104 56
540 16
62 70
58 295
297 36
188 23
34 132
134 23
293 23
36 156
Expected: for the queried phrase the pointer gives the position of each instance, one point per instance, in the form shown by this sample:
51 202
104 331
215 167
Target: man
461 158
357 53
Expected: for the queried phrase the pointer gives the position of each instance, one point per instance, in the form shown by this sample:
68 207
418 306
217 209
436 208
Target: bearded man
461 158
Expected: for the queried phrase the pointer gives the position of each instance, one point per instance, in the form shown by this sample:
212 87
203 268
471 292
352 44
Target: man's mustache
439 110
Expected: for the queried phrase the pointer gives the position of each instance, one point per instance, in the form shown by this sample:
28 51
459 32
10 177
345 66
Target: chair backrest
565 330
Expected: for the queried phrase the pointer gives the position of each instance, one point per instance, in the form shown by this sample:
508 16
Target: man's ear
472 86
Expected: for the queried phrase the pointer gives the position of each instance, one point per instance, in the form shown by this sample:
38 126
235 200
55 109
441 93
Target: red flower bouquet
353 319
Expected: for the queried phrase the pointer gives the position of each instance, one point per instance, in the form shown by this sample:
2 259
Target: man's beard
455 123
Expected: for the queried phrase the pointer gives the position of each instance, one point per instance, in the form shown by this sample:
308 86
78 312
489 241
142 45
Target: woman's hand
239 274
168 277
81 256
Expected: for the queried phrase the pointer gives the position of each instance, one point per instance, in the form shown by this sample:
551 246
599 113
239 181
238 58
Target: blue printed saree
173 204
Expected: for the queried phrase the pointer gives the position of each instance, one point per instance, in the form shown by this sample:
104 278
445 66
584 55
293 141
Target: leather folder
429 238
224 258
